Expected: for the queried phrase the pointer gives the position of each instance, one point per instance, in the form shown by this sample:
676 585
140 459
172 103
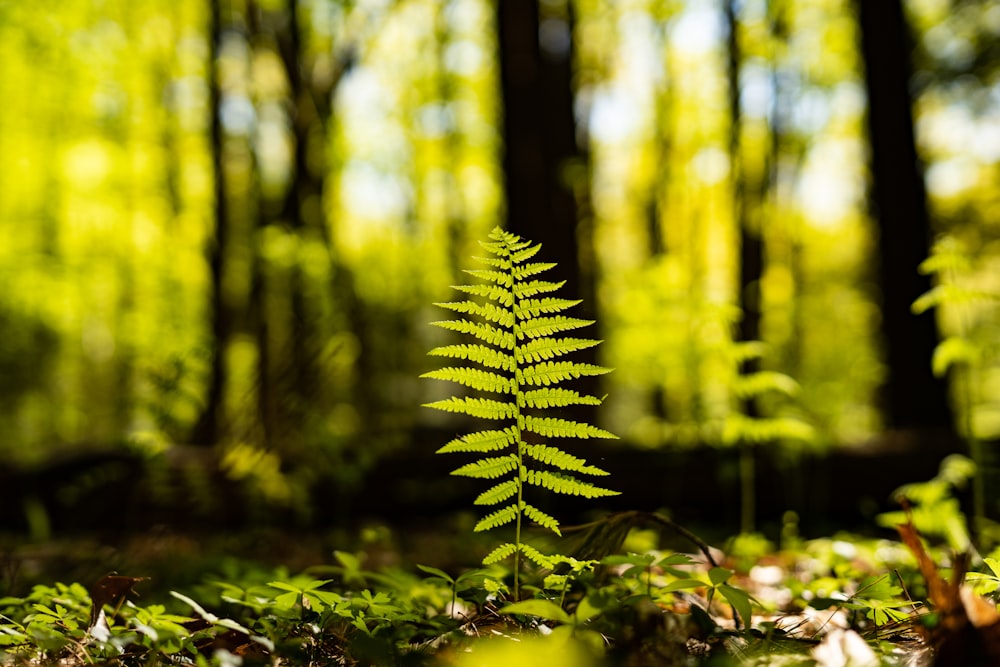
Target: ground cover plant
610 592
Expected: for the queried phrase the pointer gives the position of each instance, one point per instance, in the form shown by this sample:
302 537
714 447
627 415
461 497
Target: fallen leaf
967 632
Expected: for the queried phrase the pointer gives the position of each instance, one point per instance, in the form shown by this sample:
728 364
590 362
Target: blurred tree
207 429
546 178
539 129
913 397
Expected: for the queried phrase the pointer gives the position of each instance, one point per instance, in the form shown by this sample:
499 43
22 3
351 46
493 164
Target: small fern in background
517 362
969 311
746 429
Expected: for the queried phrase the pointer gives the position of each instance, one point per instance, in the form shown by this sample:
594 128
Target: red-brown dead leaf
967 633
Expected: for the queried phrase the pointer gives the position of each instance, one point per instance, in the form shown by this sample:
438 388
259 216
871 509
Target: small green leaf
719 575
682 584
540 608
740 600
436 572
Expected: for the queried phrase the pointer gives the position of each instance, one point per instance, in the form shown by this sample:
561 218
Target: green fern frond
481 354
496 519
481 442
514 323
552 427
502 552
566 484
498 494
541 349
484 332
474 378
487 311
541 518
546 326
556 457
489 468
553 397
554 372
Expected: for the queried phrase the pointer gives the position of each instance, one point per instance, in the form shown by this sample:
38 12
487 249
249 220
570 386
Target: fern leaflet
481 354
481 442
474 378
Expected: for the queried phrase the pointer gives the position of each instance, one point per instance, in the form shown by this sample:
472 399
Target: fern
520 367
969 351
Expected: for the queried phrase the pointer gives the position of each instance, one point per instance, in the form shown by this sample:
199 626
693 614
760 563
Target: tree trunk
208 428
539 132
546 179
913 397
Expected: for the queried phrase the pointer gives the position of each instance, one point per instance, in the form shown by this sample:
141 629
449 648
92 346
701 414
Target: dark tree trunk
539 132
208 428
747 199
913 397
546 179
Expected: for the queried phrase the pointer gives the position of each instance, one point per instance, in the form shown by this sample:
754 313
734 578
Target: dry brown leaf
967 633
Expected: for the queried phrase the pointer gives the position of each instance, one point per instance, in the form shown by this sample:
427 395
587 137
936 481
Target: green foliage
520 369
933 507
881 601
967 313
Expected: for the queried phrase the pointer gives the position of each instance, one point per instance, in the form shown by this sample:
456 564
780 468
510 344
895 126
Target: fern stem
518 442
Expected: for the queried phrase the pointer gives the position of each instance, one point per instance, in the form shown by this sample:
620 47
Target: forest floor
842 600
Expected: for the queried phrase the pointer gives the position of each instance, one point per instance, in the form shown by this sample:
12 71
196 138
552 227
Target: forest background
223 226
